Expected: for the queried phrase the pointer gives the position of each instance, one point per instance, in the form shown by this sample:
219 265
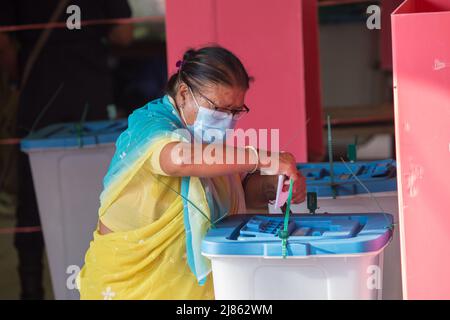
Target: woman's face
222 96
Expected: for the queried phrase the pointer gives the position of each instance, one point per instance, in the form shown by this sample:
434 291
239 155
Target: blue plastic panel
377 176
267 227
71 135
325 234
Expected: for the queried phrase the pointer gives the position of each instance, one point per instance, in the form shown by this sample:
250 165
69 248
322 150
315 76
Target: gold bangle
257 157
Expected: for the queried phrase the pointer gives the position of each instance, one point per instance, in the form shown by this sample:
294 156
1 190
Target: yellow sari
146 257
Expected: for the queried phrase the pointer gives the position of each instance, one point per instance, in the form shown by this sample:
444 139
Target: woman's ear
182 95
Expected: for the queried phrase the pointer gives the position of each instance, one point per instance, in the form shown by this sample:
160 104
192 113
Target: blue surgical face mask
210 125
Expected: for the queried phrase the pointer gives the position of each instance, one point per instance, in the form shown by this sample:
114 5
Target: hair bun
208 65
189 54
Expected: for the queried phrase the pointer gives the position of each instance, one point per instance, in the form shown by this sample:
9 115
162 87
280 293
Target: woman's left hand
299 189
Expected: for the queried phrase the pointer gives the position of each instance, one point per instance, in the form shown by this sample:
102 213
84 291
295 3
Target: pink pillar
277 43
421 61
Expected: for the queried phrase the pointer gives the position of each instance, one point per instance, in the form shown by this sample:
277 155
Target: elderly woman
155 209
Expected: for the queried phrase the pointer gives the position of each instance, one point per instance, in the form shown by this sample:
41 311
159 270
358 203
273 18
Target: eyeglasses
223 112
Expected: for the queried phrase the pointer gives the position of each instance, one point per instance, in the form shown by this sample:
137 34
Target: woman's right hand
277 163
284 163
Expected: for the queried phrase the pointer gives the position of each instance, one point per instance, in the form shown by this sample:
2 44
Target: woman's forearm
183 159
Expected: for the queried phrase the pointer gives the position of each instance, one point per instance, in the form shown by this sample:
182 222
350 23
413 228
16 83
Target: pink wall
421 60
270 40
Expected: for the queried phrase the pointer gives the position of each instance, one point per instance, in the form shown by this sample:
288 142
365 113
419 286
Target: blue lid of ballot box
325 234
377 176
74 135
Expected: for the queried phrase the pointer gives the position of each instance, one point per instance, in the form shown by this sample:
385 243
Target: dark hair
208 65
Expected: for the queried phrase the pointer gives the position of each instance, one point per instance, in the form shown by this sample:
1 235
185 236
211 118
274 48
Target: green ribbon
284 235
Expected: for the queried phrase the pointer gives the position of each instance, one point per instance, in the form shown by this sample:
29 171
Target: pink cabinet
278 44
421 62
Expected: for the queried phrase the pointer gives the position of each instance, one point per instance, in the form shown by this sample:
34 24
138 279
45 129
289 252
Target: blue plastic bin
377 176
74 135
68 162
380 178
337 256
